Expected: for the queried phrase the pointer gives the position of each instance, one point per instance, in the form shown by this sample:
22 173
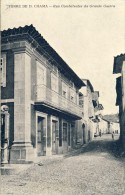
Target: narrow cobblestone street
92 169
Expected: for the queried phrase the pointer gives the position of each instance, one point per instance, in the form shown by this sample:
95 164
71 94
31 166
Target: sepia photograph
62 97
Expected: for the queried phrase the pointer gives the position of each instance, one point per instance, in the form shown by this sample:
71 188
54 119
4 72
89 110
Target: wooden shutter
3 70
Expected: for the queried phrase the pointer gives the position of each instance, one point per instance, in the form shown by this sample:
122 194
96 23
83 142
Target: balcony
49 97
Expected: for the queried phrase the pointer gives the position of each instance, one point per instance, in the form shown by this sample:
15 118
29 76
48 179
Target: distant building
103 125
42 93
111 126
97 108
119 67
88 125
116 128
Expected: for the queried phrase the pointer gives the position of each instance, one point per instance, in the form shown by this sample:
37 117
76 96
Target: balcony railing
46 95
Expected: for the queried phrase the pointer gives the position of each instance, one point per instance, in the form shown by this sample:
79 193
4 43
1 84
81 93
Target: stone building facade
103 125
119 68
89 102
42 93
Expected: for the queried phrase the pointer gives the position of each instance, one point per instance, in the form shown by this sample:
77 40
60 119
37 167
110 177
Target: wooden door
41 142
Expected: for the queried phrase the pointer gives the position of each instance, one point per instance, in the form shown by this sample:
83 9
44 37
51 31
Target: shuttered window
41 75
3 70
54 83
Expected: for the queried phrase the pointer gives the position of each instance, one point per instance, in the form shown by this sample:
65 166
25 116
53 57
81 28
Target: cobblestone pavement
94 169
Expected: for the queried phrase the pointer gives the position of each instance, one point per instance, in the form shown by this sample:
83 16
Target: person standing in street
113 135
100 133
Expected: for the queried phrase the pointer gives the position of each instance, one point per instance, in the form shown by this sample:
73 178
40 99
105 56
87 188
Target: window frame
64 90
40 66
72 95
3 70
53 76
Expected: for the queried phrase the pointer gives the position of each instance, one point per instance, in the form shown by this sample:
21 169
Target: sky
87 38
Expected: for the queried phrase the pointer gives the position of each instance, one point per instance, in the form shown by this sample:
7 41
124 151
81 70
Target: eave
118 62
30 34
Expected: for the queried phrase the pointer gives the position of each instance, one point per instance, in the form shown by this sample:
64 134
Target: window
72 95
64 93
41 81
64 90
72 98
54 83
64 131
80 99
60 134
41 74
3 70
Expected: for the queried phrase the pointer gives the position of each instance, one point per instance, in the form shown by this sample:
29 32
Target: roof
105 120
118 61
89 84
30 34
114 118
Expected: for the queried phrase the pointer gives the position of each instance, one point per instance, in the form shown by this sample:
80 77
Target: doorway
53 137
73 136
65 141
41 136
84 133
55 132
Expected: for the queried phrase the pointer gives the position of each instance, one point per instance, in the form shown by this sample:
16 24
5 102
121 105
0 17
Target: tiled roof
30 34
